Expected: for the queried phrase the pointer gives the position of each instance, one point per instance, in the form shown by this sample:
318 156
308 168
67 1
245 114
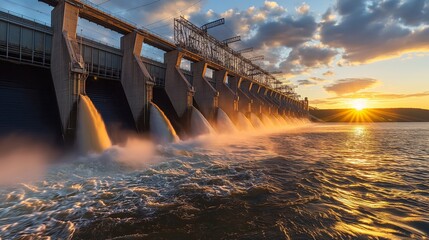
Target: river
321 181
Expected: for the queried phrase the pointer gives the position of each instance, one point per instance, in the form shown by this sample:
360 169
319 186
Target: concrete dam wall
46 71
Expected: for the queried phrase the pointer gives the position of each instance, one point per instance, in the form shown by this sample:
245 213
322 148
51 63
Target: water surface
324 181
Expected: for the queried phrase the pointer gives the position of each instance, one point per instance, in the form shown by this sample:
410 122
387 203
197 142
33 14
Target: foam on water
125 183
160 127
330 181
91 132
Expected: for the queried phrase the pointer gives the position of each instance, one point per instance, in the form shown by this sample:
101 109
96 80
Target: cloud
295 42
154 15
304 58
311 56
317 79
303 9
328 73
350 85
312 81
411 12
305 82
369 31
272 32
243 22
286 31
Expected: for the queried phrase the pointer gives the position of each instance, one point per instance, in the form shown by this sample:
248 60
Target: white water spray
256 122
160 127
91 132
281 120
199 124
267 121
275 120
224 123
243 123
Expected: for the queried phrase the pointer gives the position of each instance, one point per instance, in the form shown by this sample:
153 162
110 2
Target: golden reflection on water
359 130
364 165
365 229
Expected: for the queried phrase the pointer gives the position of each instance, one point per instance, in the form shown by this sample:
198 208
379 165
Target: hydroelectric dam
48 71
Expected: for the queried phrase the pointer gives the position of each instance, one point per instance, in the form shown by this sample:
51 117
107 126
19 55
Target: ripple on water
327 182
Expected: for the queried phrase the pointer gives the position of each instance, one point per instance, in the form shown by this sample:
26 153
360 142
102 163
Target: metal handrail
3 10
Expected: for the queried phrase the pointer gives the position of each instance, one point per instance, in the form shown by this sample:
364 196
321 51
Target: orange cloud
350 85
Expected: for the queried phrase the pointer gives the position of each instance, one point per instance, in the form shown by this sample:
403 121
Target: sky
332 52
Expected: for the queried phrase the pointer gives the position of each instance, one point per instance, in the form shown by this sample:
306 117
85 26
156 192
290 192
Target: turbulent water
321 181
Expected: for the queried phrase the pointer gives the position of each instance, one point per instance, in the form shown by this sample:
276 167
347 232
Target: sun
359 104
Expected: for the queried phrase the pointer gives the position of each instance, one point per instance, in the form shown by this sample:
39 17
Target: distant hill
371 115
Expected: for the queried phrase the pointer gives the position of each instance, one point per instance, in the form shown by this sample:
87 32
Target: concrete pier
135 79
255 90
245 104
228 96
206 96
177 87
266 94
256 106
67 65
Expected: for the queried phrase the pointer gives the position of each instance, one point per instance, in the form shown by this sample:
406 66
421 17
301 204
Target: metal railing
5 12
25 44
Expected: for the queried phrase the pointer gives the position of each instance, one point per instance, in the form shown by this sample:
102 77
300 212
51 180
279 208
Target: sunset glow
359 104
192 119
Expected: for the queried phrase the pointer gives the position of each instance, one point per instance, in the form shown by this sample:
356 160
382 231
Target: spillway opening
109 98
199 124
243 123
91 131
224 123
256 121
160 127
161 99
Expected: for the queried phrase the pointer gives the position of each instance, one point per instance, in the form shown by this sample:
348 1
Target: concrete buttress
206 96
135 79
228 98
177 87
67 65
246 102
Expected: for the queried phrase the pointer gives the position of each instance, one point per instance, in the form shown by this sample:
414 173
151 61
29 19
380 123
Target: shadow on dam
28 105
